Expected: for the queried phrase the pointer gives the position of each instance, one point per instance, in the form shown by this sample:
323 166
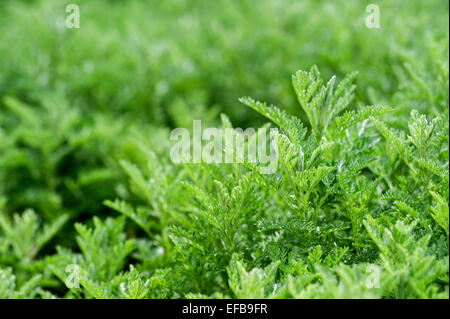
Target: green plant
91 205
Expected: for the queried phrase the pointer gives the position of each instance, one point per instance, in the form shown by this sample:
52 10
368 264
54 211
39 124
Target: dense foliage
91 205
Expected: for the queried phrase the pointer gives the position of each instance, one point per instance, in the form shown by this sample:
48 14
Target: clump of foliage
91 206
